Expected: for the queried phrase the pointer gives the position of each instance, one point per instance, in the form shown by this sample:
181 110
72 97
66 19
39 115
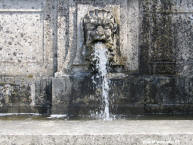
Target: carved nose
100 30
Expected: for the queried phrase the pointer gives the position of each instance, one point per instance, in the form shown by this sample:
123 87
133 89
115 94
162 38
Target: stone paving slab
118 132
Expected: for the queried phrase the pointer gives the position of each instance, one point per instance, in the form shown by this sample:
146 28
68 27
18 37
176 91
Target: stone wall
166 37
166 54
42 55
26 44
40 38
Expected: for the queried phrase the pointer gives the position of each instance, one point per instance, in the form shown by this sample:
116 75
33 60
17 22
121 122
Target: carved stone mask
99 26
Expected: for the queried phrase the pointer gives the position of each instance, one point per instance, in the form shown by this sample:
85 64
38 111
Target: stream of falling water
101 63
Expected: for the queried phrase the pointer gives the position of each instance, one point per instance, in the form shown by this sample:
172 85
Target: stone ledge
118 132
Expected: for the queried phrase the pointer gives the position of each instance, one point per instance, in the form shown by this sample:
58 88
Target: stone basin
98 132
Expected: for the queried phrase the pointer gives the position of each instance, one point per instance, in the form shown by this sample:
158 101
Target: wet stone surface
128 95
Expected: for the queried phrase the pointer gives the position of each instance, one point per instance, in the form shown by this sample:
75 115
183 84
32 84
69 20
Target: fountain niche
102 52
100 90
100 26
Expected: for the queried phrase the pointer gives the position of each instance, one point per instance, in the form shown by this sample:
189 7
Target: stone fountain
96 59
100 54
83 58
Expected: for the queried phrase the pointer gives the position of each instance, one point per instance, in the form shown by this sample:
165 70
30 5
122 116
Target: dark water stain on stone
14 53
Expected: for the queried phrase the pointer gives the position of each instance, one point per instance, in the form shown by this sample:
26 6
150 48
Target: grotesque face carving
99 26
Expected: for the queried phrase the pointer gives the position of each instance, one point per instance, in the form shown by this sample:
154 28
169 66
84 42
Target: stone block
79 96
183 37
43 96
72 95
25 45
25 96
16 97
61 94
168 95
159 90
169 6
166 37
126 95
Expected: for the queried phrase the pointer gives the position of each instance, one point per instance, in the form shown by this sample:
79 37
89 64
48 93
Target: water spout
100 60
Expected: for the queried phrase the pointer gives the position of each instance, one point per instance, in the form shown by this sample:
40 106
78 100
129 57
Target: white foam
101 59
57 116
17 114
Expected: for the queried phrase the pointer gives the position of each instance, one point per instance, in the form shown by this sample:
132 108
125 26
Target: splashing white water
101 59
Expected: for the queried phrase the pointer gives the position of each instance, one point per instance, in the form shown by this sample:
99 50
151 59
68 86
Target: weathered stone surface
62 33
25 95
169 95
126 95
78 96
169 6
119 132
130 14
184 43
160 55
40 39
15 98
25 34
100 25
61 94
166 37
70 58
73 95
43 96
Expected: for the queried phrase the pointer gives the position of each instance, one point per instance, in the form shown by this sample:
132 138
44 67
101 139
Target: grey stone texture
26 38
166 33
69 60
129 95
77 96
119 132
25 95
100 25
41 57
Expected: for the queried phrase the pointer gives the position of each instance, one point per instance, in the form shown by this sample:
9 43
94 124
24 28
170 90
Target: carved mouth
99 40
